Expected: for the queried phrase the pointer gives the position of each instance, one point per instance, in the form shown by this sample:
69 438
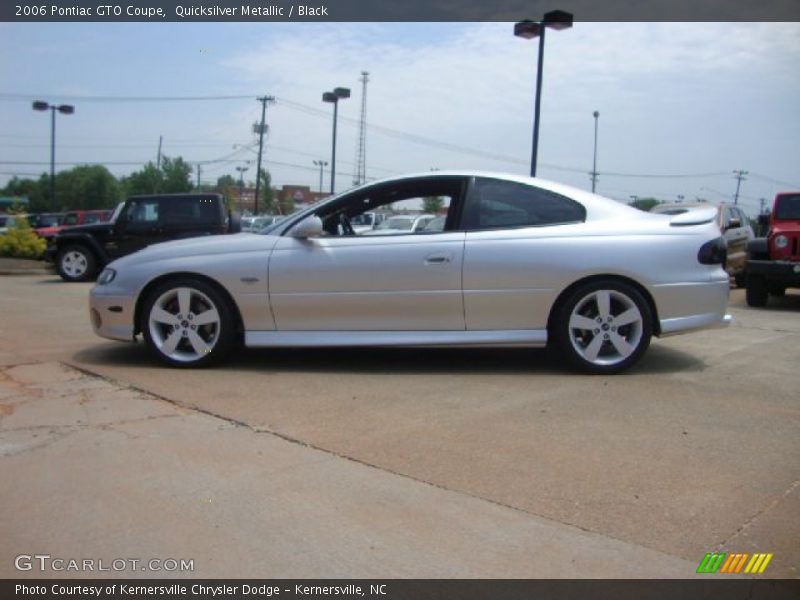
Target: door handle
437 259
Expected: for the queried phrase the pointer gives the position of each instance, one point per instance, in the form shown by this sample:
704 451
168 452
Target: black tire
606 347
776 289
76 263
178 341
757 293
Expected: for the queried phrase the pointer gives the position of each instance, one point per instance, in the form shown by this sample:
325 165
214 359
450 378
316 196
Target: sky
682 105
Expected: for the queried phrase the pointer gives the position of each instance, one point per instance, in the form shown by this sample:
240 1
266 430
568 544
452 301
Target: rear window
189 211
787 207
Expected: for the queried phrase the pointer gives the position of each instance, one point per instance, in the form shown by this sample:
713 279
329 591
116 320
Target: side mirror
309 227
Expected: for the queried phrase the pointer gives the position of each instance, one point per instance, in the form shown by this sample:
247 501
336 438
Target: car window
502 204
404 208
142 211
787 206
70 219
188 211
92 218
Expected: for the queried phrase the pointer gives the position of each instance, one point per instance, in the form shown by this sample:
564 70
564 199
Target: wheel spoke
603 300
159 315
631 315
169 345
593 349
581 322
198 343
184 301
622 345
206 318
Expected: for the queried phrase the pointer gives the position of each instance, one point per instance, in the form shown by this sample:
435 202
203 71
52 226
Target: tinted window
496 204
189 211
788 207
142 211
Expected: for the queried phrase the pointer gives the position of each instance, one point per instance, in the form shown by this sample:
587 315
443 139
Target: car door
397 282
511 266
736 230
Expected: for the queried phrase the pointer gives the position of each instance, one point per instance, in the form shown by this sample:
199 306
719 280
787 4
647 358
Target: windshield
115 214
787 207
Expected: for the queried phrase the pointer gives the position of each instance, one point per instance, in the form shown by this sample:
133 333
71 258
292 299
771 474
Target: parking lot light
64 109
339 93
527 29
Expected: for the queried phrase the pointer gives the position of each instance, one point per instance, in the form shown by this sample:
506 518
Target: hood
206 245
93 228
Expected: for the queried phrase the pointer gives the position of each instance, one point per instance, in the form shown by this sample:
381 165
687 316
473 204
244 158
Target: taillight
714 252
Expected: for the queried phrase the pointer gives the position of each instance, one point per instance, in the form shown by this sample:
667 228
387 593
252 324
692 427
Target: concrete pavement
499 460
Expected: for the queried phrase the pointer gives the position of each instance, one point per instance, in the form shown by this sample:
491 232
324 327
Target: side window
414 207
70 219
495 204
189 212
142 212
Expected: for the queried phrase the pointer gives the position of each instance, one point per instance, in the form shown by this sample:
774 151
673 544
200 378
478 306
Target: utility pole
762 202
261 129
198 176
595 114
740 176
158 160
361 145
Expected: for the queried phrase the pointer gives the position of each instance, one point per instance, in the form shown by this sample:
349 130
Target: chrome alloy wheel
605 327
184 324
74 263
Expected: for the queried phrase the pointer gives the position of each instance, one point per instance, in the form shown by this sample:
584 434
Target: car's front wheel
188 323
76 263
603 327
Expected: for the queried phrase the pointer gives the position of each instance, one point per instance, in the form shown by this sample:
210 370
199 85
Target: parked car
80 252
258 223
367 221
73 218
774 261
39 221
522 262
735 227
401 224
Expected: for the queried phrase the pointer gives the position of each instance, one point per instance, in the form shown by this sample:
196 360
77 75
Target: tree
225 181
266 202
173 178
36 191
86 187
644 204
177 176
432 204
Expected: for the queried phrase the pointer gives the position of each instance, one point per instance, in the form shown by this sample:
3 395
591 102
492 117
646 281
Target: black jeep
80 252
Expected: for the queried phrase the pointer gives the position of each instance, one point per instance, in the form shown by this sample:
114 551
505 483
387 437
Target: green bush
21 241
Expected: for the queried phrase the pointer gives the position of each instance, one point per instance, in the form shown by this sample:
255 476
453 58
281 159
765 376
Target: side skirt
519 337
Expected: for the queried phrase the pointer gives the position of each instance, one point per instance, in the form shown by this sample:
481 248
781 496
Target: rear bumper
693 323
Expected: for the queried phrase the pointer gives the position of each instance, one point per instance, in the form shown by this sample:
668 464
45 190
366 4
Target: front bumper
779 271
112 316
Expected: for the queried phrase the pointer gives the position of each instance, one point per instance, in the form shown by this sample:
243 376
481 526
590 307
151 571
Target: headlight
107 276
781 241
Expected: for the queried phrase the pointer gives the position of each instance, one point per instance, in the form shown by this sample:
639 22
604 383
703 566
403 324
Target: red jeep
774 262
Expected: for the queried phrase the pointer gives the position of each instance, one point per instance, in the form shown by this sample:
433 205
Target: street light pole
333 97
321 164
596 114
241 184
64 109
556 19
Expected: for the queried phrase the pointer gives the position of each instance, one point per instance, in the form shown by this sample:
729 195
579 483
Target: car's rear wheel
188 323
603 326
76 263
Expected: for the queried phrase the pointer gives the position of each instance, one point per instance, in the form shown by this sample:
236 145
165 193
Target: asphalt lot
400 463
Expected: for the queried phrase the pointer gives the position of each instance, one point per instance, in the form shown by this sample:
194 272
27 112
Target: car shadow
510 361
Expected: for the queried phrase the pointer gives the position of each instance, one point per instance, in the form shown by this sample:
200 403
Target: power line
125 98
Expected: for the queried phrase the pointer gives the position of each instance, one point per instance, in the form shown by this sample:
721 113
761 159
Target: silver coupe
519 262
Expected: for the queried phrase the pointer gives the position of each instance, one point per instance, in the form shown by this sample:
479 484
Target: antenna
361 143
